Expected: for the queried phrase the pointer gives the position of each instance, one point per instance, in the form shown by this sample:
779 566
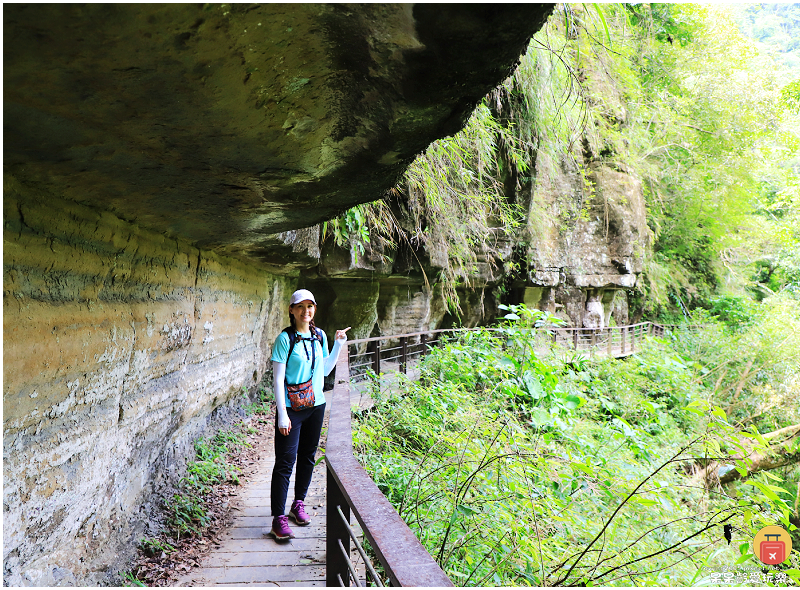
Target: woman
300 361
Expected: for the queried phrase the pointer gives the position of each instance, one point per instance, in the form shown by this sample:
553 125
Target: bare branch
623 503
673 546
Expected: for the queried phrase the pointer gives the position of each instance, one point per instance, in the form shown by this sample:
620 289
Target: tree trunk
780 454
740 386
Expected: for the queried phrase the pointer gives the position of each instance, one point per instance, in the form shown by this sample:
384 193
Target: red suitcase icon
773 552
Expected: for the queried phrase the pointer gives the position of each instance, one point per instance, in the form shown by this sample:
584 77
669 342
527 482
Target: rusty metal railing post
404 354
633 339
335 561
622 331
610 339
423 339
575 339
376 358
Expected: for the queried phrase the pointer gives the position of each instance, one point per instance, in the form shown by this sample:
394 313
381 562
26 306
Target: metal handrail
376 338
626 341
361 552
349 565
404 559
549 328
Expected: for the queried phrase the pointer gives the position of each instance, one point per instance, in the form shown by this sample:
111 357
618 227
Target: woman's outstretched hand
342 334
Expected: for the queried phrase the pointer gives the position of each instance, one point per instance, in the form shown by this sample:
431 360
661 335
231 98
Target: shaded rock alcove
163 168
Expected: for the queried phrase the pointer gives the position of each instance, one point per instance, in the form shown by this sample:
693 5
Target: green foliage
736 312
262 407
716 129
210 466
186 513
456 199
776 259
790 96
154 547
669 23
129 580
349 228
516 464
186 510
753 372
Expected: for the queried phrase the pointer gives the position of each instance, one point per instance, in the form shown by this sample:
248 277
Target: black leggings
301 444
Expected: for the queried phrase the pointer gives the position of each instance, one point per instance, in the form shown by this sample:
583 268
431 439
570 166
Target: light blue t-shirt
298 368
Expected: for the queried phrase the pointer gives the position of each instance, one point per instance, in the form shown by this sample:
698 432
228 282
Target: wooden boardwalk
249 557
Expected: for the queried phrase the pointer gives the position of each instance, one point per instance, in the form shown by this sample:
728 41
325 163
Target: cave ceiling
226 124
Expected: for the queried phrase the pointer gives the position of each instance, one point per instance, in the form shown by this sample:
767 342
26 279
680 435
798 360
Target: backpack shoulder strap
292 334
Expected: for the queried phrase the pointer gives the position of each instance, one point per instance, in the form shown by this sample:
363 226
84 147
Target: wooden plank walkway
247 556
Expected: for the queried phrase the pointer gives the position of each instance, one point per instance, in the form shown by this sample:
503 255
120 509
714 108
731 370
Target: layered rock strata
586 244
121 346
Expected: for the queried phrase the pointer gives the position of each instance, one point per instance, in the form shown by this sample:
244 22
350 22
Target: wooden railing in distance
409 346
405 561
617 341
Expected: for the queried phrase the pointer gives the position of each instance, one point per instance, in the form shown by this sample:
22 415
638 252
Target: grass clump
187 512
199 504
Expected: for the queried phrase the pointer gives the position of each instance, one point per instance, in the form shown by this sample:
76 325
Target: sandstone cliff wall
579 254
120 347
586 239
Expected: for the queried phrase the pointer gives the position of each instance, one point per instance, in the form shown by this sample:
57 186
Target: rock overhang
228 124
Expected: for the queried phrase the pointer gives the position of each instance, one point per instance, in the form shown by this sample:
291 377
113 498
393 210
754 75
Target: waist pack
301 395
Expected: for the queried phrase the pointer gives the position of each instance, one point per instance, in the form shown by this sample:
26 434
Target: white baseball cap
302 295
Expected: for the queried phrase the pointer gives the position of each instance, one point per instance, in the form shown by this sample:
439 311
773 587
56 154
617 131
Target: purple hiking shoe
280 528
298 513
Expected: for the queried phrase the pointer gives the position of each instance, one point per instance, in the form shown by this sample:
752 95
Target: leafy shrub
735 312
517 465
187 513
262 407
